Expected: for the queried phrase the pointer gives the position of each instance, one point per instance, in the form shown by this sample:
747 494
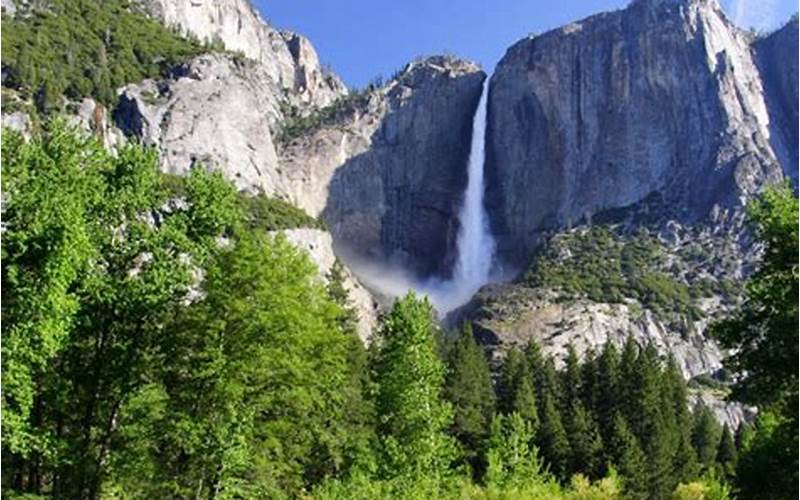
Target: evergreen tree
412 419
726 453
552 438
590 389
571 379
516 389
468 388
608 389
586 444
627 380
705 436
629 459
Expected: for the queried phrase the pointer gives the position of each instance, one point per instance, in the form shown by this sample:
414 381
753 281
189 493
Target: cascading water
475 245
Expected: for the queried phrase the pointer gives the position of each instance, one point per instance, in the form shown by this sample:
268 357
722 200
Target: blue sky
361 39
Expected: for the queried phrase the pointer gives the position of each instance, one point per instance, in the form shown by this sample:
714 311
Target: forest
161 339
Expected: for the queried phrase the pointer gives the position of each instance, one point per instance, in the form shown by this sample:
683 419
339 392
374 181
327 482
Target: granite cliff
664 96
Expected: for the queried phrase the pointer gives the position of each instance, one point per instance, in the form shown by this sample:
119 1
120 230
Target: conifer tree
571 378
627 380
629 459
726 453
608 390
516 389
468 388
705 436
552 438
589 382
586 444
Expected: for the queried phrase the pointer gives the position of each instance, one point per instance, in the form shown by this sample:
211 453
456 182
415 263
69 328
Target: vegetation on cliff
86 48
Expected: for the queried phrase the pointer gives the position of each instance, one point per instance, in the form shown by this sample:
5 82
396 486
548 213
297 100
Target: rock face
388 177
319 246
776 56
509 315
288 58
216 109
663 96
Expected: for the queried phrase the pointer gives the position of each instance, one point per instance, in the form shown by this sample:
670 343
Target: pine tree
586 444
726 453
705 436
516 389
627 380
468 388
629 459
608 390
412 419
571 378
674 396
552 438
589 382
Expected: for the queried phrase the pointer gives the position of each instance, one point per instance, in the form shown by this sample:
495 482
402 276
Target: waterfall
475 245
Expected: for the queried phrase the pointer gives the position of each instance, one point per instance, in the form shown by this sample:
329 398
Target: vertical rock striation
664 96
388 176
776 56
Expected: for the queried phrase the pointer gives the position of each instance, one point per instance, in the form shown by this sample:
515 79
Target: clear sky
361 39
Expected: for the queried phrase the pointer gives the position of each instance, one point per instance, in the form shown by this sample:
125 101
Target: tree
468 388
705 436
571 379
629 459
726 453
412 419
552 438
91 279
763 335
608 389
510 457
586 444
515 388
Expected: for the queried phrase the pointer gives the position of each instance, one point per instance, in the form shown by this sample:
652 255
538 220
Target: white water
475 245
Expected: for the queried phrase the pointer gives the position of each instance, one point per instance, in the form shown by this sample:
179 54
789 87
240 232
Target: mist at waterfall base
475 245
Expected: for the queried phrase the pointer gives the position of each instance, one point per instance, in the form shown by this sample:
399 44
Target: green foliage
765 469
412 418
708 487
82 48
727 454
605 267
121 365
764 336
706 434
270 214
296 123
89 282
254 406
512 459
468 388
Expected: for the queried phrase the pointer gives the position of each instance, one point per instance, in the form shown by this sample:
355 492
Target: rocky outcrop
506 315
663 96
318 245
726 412
388 175
218 110
288 58
776 56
